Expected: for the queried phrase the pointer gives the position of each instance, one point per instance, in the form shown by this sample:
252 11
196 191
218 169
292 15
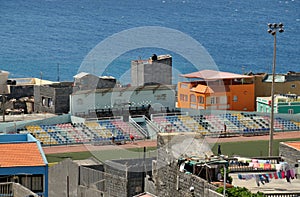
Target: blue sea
51 38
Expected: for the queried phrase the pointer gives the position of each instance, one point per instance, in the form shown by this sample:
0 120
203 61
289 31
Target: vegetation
238 192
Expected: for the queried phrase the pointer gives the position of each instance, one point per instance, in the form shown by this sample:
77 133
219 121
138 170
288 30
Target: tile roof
202 89
20 154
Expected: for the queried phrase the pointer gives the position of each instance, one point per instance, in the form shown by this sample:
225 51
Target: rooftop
215 75
20 150
295 145
20 154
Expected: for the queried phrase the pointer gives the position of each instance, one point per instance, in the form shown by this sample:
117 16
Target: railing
138 127
285 194
6 189
11 189
152 125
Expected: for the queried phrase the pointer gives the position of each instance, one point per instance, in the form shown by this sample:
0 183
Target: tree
239 191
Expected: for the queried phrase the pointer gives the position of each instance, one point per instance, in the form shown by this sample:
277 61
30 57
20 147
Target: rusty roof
20 154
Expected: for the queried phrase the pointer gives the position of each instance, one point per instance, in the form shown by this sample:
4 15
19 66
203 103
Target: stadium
138 135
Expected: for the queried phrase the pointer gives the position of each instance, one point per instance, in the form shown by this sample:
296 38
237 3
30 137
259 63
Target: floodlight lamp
269 31
274 25
281 30
270 25
280 25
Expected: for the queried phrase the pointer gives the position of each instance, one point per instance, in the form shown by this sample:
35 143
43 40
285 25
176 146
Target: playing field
243 148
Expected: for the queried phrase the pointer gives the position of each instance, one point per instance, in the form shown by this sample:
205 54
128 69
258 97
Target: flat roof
214 75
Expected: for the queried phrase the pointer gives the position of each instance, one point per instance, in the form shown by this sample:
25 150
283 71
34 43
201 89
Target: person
131 138
112 138
219 176
297 171
219 150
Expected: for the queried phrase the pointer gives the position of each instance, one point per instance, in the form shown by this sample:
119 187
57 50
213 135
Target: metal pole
3 108
224 189
272 100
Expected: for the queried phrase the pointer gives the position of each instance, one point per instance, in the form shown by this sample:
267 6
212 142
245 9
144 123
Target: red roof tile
20 154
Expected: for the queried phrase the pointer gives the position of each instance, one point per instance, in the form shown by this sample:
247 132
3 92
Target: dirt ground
152 143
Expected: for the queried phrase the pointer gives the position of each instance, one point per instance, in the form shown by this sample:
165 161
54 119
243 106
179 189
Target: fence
283 194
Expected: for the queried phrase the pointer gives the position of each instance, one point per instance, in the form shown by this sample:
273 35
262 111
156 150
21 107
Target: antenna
57 71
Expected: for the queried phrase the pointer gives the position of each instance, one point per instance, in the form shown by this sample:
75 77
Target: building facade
288 83
53 98
216 90
154 97
156 70
283 104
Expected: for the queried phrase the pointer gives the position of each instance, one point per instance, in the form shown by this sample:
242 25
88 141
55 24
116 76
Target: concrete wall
264 88
59 96
63 179
147 72
289 154
119 98
20 191
19 91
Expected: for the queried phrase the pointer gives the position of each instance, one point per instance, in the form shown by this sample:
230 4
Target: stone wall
288 153
59 96
171 182
167 180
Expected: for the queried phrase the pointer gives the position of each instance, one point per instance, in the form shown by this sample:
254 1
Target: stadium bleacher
102 131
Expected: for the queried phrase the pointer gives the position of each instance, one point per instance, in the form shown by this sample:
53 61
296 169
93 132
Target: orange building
217 91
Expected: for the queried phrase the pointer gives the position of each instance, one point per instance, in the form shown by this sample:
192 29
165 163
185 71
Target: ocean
50 39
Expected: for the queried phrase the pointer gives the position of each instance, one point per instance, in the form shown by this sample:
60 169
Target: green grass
103 155
74 156
250 148
245 149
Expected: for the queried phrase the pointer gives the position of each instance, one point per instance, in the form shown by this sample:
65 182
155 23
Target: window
37 183
185 97
193 98
200 99
43 101
183 85
50 102
212 100
181 97
32 182
79 101
293 85
235 98
290 111
217 100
